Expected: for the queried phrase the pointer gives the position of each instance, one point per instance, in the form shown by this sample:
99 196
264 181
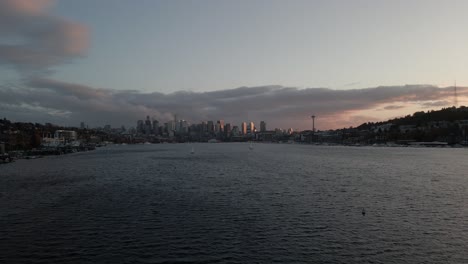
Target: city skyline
152 126
347 63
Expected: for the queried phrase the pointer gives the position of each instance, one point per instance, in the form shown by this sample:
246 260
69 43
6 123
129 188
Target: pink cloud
76 38
41 40
26 7
65 38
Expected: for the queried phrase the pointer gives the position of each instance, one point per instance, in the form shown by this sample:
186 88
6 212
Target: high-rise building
221 125
171 126
178 127
155 127
210 127
140 127
227 130
244 128
148 126
195 129
235 131
82 125
183 127
250 128
262 126
204 127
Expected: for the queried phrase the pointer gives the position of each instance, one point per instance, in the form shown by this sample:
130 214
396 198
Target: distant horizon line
215 121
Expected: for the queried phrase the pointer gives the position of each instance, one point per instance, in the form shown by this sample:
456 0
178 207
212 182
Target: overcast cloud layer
34 41
42 99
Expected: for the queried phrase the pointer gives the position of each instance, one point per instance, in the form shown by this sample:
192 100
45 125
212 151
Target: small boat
251 146
192 151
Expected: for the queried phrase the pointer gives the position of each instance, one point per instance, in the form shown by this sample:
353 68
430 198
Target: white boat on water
192 151
251 146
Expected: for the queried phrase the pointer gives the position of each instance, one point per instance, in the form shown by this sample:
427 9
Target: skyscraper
204 127
210 127
227 130
221 125
155 127
262 126
183 127
171 125
235 131
140 127
250 128
148 126
244 128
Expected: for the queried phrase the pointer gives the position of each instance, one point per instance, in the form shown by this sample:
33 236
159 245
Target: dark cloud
42 99
64 88
441 103
393 107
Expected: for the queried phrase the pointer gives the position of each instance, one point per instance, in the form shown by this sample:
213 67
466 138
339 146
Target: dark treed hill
421 118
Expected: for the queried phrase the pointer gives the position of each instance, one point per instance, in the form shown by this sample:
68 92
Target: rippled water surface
227 204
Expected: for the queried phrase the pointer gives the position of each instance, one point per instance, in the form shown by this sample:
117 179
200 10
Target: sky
115 61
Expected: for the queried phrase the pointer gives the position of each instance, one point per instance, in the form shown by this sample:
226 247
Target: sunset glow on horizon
114 62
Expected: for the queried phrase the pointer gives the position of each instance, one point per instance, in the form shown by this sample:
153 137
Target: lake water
228 204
